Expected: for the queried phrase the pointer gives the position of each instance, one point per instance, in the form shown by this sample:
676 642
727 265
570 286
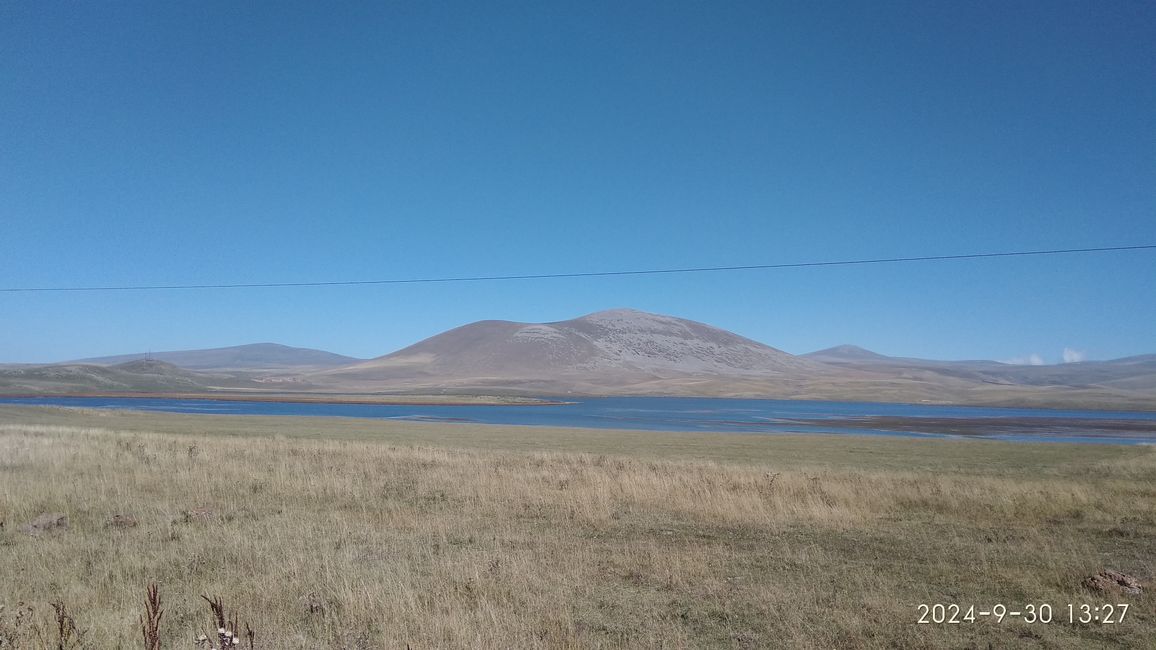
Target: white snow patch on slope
542 333
663 343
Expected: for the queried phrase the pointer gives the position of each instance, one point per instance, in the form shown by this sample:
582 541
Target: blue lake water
689 414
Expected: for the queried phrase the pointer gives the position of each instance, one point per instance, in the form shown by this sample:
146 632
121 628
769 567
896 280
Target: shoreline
987 426
310 398
1019 428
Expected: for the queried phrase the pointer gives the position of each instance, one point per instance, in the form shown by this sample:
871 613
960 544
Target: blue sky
220 142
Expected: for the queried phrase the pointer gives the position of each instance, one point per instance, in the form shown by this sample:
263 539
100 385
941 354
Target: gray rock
45 523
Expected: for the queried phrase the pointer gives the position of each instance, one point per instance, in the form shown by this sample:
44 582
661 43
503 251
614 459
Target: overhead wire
587 274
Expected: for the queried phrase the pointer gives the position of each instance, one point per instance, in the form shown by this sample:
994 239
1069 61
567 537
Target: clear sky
220 142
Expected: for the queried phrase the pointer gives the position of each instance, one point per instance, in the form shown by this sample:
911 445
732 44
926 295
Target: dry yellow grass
365 543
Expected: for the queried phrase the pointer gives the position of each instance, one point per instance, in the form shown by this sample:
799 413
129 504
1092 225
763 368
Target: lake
705 414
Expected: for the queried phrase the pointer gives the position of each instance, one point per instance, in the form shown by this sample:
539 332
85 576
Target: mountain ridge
611 352
251 356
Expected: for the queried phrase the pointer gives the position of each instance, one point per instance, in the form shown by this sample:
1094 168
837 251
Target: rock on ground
1113 581
46 522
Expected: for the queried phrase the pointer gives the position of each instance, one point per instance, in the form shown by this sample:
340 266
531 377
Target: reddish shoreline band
293 399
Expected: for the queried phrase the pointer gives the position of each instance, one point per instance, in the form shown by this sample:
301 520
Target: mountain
615 352
609 351
846 354
256 356
628 352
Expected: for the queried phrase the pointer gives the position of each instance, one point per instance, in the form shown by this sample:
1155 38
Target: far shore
481 399
312 398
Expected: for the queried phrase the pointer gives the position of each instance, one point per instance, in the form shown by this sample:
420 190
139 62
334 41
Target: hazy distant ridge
1128 373
255 356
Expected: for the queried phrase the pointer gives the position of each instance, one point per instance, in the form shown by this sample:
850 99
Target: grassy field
365 534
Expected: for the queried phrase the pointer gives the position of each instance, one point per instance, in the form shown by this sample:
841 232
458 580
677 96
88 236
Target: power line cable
589 274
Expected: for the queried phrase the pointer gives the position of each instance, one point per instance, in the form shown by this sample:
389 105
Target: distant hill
608 351
1129 373
256 356
846 354
134 376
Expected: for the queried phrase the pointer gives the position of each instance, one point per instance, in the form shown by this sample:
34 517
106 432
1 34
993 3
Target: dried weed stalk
150 621
227 635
